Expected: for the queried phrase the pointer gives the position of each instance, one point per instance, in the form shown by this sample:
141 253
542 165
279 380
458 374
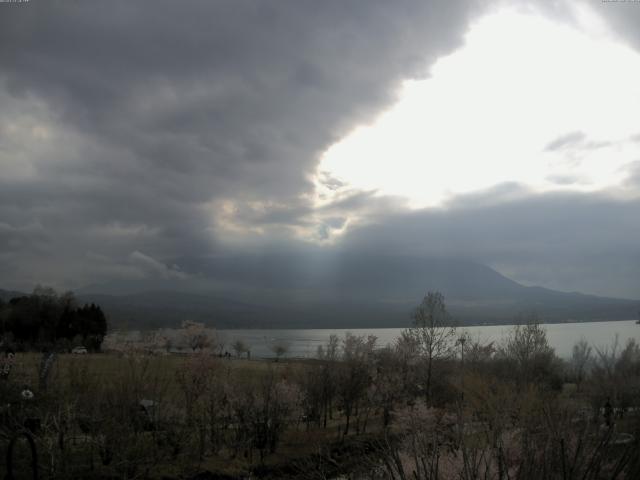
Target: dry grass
108 365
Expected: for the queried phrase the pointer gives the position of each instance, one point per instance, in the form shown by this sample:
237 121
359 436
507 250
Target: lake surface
561 336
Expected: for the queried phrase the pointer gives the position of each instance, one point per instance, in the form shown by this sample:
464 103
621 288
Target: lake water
561 336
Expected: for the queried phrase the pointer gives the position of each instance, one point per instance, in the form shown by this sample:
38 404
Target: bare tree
628 373
614 375
279 348
477 352
353 373
330 351
528 348
580 359
388 385
327 376
434 333
240 347
197 336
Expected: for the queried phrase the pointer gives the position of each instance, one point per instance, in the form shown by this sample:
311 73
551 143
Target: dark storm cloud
22 238
132 132
588 241
131 121
242 93
568 241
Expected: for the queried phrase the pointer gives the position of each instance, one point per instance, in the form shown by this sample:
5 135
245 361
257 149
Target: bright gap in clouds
526 100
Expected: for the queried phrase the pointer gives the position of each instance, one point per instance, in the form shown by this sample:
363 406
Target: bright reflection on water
304 343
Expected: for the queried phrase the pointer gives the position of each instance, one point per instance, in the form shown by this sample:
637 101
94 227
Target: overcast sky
138 137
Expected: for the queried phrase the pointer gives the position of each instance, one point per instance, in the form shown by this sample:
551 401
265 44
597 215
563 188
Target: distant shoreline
359 327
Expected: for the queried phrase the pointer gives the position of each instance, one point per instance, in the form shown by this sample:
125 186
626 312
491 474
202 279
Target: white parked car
79 351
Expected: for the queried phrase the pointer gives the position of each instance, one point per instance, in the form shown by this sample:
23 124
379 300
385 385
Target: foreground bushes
508 411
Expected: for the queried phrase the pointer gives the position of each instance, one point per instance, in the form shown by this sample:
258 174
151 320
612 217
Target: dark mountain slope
365 291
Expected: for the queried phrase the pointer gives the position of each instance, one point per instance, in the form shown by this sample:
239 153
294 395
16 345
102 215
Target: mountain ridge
360 293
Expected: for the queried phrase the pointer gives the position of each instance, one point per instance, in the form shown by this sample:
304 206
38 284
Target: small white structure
79 350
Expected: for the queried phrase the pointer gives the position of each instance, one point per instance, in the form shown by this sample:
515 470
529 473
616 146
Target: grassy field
83 379
137 415
107 366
